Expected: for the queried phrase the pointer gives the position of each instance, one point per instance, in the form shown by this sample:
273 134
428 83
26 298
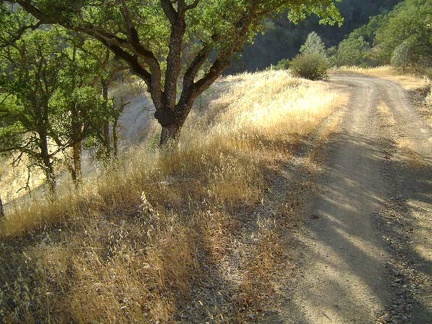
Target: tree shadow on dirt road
349 265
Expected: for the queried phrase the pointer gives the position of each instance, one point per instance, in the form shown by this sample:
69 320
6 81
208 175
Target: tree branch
35 12
193 5
19 34
169 11
191 73
178 29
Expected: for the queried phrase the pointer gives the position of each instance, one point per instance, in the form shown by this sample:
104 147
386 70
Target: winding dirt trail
367 248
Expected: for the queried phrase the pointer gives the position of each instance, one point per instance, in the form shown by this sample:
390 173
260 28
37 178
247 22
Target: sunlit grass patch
138 241
406 80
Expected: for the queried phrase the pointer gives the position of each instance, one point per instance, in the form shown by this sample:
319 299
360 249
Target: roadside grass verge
409 81
169 237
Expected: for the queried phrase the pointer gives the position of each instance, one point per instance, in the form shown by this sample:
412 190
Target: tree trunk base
169 136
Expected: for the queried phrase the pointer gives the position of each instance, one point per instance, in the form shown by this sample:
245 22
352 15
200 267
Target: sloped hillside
199 235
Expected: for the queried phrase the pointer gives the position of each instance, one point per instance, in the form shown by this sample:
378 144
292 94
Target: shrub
282 65
402 57
310 66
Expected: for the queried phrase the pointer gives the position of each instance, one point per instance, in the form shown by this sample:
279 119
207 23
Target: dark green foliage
405 39
356 49
401 37
283 65
310 66
352 51
284 38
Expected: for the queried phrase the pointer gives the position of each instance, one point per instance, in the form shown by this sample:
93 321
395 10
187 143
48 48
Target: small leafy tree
28 79
283 64
178 48
106 69
403 54
49 103
82 100
313 45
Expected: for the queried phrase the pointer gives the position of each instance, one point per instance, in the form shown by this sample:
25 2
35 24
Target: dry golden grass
408 81
151 240
13 179
428 100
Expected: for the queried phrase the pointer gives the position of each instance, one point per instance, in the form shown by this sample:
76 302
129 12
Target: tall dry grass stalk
148 240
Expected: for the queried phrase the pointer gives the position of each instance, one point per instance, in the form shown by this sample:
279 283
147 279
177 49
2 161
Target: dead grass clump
148 240
131 284
257 286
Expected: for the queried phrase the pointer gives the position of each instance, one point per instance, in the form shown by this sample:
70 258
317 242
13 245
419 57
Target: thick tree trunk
51 181
172 121
170 135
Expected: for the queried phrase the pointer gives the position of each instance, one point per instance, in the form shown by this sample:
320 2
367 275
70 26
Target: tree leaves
407 28
174 46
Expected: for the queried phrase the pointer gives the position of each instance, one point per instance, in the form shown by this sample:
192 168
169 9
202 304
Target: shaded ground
367 248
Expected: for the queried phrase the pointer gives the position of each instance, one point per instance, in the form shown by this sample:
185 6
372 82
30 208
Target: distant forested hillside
283 39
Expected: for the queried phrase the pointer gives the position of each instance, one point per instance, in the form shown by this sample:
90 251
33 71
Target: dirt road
368 246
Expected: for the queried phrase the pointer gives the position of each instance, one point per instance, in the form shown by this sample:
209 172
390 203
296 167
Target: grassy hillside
196 236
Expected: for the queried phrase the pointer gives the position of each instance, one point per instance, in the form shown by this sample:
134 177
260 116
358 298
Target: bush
402 57
282 65
312 66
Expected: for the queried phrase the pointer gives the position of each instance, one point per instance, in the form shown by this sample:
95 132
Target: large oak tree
178 47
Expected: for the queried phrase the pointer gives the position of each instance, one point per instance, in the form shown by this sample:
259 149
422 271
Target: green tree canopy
28 80
50 98
351 51
179 48
407 34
